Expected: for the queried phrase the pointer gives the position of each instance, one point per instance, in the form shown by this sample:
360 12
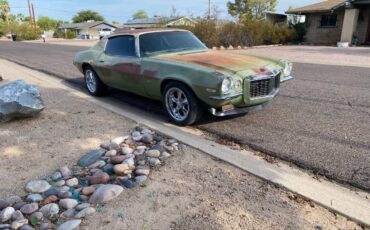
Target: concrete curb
332 196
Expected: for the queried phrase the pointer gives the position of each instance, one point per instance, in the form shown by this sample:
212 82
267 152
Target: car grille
264 87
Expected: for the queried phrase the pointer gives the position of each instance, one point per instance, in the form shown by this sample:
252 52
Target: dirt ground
192 191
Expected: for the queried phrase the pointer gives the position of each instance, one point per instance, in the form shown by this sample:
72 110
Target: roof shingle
318 7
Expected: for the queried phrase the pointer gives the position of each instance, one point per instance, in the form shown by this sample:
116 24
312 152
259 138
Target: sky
122 10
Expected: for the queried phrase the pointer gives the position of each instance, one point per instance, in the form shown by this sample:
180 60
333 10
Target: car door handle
101 61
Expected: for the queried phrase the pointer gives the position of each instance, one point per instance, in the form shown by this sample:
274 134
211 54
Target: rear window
121 46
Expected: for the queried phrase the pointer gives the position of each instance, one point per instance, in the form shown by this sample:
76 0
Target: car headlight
288 69
226 85
236 84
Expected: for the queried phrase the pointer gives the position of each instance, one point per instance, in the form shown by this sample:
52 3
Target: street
320 121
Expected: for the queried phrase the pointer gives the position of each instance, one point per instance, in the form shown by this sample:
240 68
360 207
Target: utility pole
209 9
34 18
30 11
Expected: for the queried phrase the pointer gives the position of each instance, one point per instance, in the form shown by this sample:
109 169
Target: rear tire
94 85
181 105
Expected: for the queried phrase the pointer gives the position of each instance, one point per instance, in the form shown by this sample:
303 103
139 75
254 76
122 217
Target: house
334 21
159 22
90 28
282 19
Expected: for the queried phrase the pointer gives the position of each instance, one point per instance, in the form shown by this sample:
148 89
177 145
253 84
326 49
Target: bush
67 35
300 31
70 34
244 33
25 32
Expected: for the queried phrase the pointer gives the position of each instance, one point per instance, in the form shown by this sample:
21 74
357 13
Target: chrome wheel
90 79
177 104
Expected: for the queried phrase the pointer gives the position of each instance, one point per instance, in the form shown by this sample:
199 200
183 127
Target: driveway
321 120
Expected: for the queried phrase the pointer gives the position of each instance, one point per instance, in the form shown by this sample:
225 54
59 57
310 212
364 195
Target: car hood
221 61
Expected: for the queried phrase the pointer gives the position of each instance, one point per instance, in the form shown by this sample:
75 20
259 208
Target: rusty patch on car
218 60
133 69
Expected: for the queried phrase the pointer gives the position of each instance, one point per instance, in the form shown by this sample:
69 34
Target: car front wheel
181 104
93 84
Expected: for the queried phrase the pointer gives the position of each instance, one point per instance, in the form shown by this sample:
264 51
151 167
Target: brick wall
323 35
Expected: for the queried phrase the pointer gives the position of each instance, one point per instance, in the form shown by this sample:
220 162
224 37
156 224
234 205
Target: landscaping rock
6 214
37 186
19 205
72 182
68 203
140 179
111 153
91 157
121 169
69 225
29 208
119 140
19 99
60 183
82 206
56 176
37 216
153 153
147 138
127 150
128 184
85 212
108 169
4 226
4 204
136 136
51 192
34 198
13 199
158 147
50 210
68 214
105 193
18 224
142 172
97 164
154 161
64 194
99 178
26 227
88 191
66 172
17 215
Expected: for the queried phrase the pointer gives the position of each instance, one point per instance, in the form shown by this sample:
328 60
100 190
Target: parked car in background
105 32
175 67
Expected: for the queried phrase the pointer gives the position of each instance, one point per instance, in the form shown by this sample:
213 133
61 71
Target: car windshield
169 42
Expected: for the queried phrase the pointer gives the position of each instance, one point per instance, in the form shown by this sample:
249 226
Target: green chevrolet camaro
175 67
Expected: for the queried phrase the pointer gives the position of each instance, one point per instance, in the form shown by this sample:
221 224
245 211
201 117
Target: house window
328 20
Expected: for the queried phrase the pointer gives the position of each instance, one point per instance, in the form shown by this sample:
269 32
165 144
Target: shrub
300 32
25 32
70 34
67 34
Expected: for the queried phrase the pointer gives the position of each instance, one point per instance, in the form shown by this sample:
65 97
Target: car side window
123 46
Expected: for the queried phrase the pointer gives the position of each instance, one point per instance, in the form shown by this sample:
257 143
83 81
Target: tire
177 99
93 84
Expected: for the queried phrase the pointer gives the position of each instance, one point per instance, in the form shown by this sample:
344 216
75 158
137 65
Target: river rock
158 147
37 216
85 212
60 183
50 210
164 156
153 153
4 204
19 205
45 226
17 215
51 192
82 206
136 136
26 227
68 214
99 178
87 191
65 171
56 176
140 179
127 150
6 214
37 186
13 199
108 169
19 99
91 157
18 224
128 184
49 199
111 153
130 162
121 169
119 140
64 194
105 193
4 226
73 182
29 208
68 203
154 161
142 172
34 198
84 198
97 164
147 138
69 225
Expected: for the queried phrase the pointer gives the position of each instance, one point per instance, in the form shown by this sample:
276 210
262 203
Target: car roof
137 32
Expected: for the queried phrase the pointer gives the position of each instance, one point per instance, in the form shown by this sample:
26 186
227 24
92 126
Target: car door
121 63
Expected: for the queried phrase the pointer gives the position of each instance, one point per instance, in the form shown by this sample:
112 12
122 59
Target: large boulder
19 99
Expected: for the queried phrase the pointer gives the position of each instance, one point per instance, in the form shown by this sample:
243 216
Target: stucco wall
362 26
323 35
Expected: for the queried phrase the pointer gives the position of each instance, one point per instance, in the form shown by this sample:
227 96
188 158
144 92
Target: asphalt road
320 121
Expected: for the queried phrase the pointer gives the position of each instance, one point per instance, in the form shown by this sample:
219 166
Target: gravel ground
192 191
319 122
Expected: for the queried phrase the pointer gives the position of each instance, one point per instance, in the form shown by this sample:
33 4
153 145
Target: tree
254 9
87 15
174 12
46 23
115 22
140 14
4 10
